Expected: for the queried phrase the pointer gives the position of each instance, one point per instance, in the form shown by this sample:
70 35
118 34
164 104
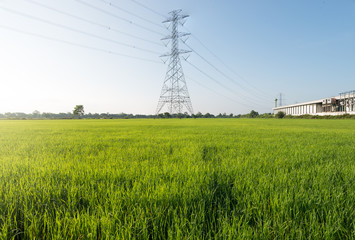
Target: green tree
167 115
208 115
280 115
78 111
199 115
180 115
253 114
36 114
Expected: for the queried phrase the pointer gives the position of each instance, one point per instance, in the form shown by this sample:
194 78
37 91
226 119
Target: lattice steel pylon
174 95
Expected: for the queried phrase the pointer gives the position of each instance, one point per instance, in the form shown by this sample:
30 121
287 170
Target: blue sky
302 49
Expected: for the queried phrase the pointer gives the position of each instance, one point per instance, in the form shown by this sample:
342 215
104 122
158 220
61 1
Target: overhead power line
131 13
229 68
217 93
148 8
213 66
76 30
213 79
220 71
118 17
75 44
92 22
222 85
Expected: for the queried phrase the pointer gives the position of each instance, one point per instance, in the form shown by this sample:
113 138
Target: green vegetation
78 111
177 179
280 115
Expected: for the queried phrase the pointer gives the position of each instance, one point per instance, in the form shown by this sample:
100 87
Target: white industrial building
339 105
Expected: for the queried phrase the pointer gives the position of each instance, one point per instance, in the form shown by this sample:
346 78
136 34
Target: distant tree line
252 114
79 113
70 115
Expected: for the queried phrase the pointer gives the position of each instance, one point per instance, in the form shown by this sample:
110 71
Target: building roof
304 103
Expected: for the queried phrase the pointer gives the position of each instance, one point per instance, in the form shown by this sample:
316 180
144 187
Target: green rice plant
177 179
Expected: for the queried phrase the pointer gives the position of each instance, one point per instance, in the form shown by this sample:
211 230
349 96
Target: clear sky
54 54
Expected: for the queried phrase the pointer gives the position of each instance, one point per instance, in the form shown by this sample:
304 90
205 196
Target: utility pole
174 94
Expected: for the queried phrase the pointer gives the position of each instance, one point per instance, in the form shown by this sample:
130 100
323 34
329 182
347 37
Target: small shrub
280 115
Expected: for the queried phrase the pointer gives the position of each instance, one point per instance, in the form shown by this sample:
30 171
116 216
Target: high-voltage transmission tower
174 94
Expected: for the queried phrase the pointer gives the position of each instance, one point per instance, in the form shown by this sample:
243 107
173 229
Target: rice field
177 179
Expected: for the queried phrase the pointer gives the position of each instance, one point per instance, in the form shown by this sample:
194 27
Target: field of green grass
177 179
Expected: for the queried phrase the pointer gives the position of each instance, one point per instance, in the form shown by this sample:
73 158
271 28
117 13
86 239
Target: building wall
313 109
342 104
